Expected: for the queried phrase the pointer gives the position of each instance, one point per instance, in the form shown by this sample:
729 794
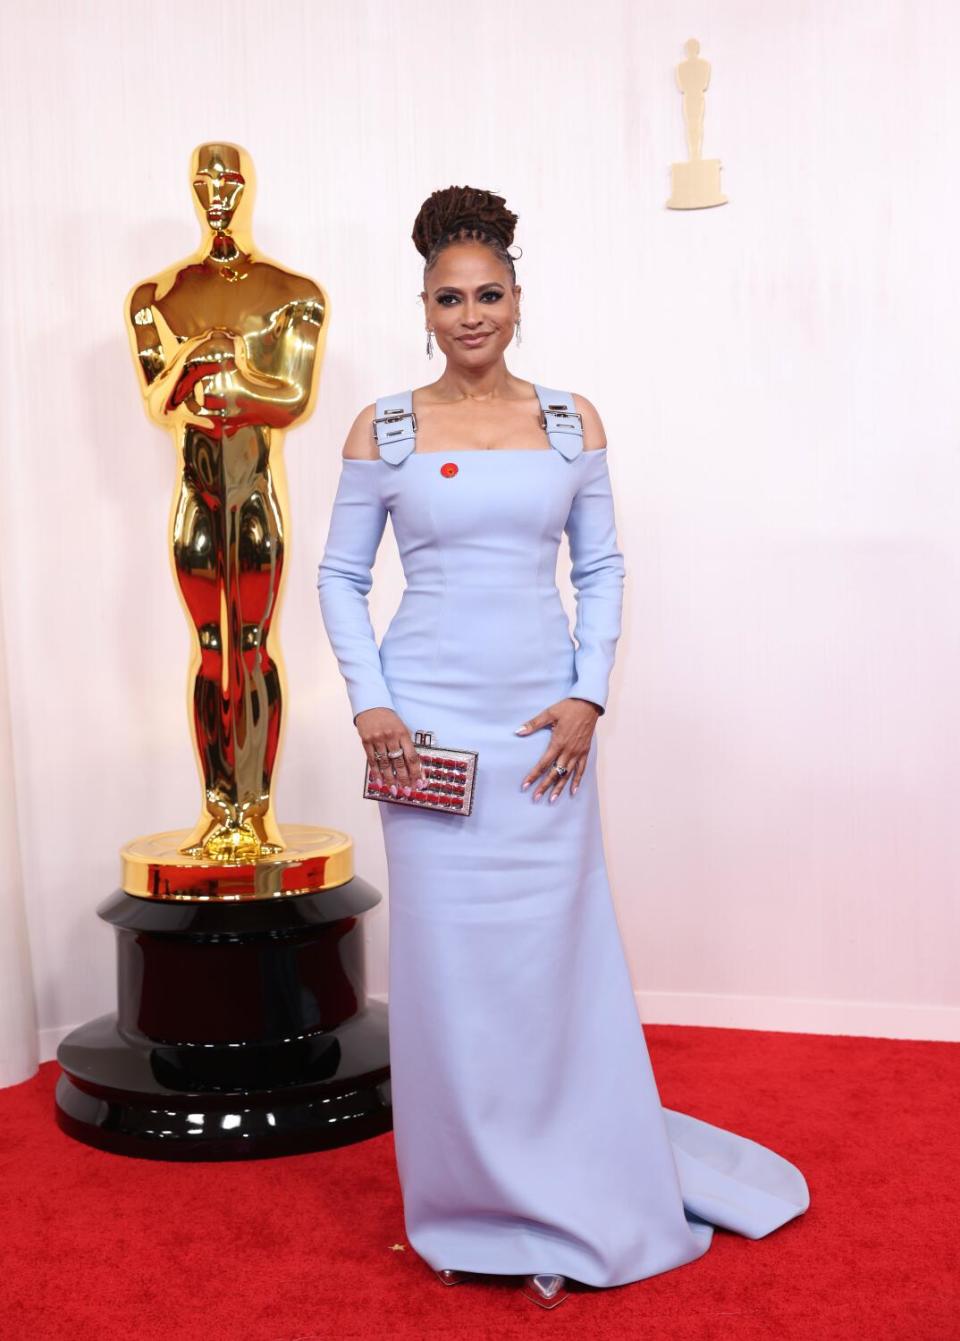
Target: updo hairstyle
463 214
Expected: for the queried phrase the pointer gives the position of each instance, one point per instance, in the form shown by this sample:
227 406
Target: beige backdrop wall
778 378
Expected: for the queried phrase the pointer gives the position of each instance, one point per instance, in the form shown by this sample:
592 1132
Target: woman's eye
495 294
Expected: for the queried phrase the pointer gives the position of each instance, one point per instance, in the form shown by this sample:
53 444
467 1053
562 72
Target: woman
529 1133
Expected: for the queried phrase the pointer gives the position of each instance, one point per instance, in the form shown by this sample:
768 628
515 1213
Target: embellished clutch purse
449 779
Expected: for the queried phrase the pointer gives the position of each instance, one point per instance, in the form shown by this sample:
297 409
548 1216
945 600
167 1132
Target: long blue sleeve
597 572
344 580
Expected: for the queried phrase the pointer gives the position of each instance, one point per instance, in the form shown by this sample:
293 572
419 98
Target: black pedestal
242 1030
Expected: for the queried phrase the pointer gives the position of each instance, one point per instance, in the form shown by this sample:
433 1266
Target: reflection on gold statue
228 345
696 183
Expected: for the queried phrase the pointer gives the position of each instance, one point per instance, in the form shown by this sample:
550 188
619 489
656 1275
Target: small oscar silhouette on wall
695 185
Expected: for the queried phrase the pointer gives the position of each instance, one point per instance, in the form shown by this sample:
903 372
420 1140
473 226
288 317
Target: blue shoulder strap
561 421
395 424
395 427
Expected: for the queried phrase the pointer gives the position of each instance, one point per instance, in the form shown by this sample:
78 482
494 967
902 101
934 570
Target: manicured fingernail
554 796
393 789
573 789
538 796
520 730
524 786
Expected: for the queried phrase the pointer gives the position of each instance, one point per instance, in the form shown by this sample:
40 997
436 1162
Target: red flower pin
449 468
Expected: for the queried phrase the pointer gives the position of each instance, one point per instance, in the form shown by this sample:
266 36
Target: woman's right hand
381 730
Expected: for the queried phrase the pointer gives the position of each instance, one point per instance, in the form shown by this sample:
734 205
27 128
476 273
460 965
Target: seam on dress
563 536
393 530
435 542
540 576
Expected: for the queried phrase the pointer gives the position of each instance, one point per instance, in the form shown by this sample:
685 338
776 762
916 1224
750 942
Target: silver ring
394 754
560 769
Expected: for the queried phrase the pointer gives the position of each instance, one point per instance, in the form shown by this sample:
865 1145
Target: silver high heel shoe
452 1277
547 1291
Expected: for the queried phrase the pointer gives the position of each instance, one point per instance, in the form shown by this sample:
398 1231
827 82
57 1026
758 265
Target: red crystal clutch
449 779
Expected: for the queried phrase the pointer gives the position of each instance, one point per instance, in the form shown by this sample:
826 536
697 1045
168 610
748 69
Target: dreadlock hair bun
461 214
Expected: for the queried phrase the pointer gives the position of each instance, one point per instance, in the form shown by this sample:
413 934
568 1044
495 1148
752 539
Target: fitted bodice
478 534
481 518
497 522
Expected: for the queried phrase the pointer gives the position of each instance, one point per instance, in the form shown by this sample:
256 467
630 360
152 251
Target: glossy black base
242 1030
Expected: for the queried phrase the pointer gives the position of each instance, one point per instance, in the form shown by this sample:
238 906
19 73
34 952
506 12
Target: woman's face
470 293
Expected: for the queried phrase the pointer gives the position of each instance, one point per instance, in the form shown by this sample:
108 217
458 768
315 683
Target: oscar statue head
223 188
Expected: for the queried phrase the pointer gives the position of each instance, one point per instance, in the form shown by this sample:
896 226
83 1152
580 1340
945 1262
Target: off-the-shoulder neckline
477 451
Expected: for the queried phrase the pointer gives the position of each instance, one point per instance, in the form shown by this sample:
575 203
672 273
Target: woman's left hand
573 721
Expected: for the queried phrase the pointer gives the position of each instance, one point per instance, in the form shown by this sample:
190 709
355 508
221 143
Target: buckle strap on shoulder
395 427
561 421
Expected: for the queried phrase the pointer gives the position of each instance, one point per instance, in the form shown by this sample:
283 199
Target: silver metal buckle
393 417
560 412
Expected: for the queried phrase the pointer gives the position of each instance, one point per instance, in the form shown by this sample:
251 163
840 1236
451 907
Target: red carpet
98 1246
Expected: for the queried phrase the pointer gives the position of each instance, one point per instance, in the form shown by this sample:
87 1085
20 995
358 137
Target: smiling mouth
472 339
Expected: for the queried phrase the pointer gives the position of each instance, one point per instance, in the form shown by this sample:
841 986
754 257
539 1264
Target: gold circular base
311 859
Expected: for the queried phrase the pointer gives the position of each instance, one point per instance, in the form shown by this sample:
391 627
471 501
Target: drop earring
517 333
429 343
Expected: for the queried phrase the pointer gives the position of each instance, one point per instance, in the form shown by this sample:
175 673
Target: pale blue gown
530 1136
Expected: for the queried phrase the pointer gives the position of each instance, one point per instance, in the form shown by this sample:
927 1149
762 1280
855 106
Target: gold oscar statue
695 185
227 346
243 1026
